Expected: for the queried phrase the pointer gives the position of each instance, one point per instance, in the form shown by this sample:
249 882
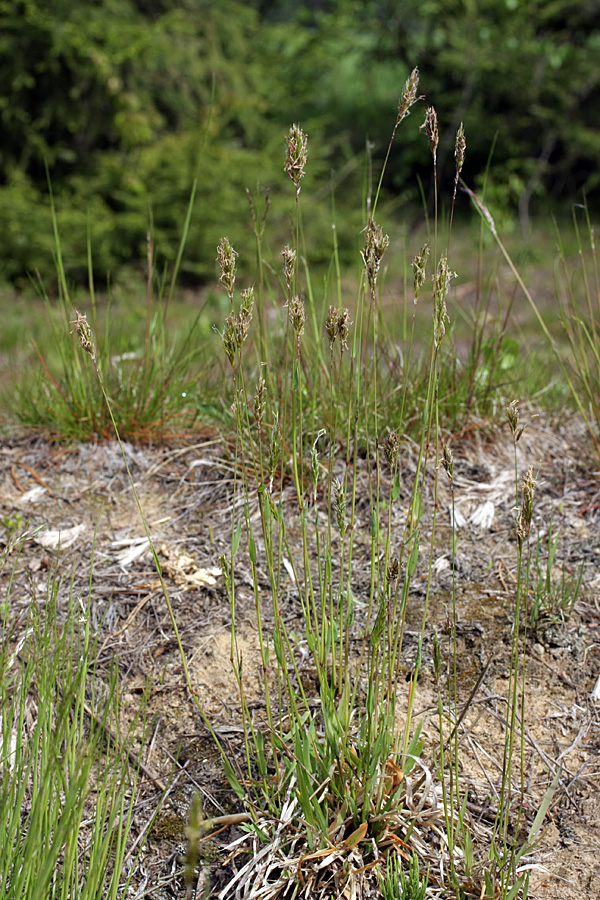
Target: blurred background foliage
127 101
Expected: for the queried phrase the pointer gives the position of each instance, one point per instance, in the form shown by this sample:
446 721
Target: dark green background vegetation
127 101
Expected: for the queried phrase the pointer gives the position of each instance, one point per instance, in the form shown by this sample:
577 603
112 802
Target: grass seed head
460 149
512 417
441 286
226 258
331 326
297 314
259 402
448 462
526 510
295 160
245 316
340 506
391 446
343 324
409 95
237 327
393 570
419 265
274 452
431 130
376 244
289 267
336 326
84 333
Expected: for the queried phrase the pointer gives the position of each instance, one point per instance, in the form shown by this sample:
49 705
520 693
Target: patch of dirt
82 499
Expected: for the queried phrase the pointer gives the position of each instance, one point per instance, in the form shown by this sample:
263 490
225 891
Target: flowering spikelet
460 149
82 328
448 462
512 417
340 506
236 327
289 266
376 244
331 326
409 95
259 402
274 452
314 464
297 315
336 326
441 285
393 570
295 160
431 130
391 446
226 258
419 265
343 323
526 512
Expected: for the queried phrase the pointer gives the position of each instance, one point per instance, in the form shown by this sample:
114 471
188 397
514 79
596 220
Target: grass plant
337 779
66 791
149 377
340 789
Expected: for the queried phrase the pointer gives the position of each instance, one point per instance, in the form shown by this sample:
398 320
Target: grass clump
335 509
66 795
337 776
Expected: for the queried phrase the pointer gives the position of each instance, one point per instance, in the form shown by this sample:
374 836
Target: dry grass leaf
185 571
59 538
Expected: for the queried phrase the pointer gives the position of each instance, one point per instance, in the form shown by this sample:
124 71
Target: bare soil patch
84 494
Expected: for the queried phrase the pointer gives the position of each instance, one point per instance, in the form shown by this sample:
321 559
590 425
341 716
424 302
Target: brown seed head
391 446
259 402
419 265
376 244
409 95
512 417
441 285
343 324
431 130
297 315
84 333
526 511
331 326
393 570
295 160
226 258
289 267
460 149
448 462
245 316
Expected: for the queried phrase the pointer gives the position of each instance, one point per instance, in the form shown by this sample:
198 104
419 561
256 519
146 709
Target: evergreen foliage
127 101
